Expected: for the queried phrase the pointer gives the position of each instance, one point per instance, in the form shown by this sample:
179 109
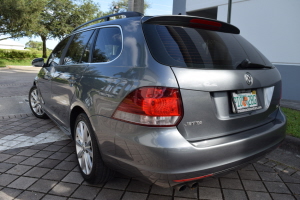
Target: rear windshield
198 48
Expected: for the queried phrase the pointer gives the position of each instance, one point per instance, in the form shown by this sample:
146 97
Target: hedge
7 53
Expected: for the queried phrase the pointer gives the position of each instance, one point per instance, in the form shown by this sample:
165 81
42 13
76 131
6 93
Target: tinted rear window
197 48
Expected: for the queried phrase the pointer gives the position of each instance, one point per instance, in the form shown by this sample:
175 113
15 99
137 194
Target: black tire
98 172
35 103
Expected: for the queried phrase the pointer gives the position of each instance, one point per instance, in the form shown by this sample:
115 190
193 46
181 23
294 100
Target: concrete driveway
37 161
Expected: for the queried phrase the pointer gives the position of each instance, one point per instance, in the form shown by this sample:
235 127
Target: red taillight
192 179
152 106
205 24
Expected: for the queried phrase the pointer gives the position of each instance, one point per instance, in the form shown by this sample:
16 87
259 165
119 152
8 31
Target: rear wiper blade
246 64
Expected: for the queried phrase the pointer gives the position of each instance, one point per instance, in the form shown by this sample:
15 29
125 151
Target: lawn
15 61
293 121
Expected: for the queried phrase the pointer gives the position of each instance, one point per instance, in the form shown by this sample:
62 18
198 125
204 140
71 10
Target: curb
295 105
20 115
291 144
21 67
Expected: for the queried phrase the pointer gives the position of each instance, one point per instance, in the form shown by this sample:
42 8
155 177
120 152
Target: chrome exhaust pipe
180 187
192 184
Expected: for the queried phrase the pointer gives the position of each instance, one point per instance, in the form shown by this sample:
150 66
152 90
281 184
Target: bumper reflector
192 179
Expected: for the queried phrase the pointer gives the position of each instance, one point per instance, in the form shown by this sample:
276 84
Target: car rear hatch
227 85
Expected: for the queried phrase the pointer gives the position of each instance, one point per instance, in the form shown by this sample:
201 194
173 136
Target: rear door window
198 48
77 47
108 45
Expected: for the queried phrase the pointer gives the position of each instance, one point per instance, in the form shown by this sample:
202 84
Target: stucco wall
272 26
290 81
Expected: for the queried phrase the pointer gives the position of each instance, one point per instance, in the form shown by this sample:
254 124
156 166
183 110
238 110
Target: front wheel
89 158
35 103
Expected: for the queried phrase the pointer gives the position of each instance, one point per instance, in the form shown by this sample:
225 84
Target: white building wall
192 5
10 44
272 26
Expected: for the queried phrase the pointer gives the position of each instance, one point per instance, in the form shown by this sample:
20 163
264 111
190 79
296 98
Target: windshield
198 48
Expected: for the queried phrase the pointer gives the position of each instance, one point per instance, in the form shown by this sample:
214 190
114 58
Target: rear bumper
162 155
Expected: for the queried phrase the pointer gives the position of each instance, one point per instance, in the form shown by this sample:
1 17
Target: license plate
244 101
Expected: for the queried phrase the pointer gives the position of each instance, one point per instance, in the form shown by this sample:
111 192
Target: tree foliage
50 18
122 6
17 18
34 44
44 18
62 16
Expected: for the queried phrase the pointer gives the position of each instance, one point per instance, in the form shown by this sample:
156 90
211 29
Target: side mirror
38 62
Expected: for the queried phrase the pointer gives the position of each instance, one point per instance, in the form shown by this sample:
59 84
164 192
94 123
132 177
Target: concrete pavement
37 161
15 83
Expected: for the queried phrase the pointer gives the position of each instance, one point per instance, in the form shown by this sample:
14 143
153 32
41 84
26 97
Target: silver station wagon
167 100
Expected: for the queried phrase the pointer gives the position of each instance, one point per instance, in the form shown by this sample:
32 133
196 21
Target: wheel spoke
79 143
34 95
80 137
85 133
82 131
83 165
88 163
80 153
88 143
90 152
38 109
33 104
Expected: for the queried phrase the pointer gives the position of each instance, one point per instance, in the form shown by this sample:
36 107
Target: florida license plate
244 101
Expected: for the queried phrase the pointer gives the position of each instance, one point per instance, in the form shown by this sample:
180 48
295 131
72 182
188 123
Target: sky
157 7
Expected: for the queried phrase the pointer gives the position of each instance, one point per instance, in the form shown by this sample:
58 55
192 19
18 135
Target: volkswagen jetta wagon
167 100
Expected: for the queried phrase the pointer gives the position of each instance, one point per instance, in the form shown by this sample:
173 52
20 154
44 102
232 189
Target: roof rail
107 17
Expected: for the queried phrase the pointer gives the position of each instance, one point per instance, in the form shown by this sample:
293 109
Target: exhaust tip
193 185
180 188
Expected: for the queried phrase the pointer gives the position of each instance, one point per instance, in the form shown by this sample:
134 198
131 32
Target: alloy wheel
35 102
84 147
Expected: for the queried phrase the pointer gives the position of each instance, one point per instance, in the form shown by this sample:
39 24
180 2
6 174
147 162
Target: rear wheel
35 103
89 158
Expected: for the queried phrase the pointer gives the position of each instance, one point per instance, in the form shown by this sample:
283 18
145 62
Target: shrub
8 53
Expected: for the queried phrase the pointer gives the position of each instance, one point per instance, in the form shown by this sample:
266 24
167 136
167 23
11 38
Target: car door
45 75
66 77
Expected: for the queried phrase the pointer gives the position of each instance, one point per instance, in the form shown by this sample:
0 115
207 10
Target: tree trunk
44 46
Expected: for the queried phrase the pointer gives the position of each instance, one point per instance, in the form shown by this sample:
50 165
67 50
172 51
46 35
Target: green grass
15 61
293 121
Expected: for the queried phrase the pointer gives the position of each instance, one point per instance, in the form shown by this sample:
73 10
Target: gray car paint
161 155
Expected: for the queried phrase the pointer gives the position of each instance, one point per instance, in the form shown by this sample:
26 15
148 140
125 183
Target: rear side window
198 48
77 48
54 58
108 45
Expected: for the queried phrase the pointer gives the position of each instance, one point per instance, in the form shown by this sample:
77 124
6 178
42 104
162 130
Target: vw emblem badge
248 78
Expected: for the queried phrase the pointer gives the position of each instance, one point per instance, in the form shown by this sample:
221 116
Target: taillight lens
152 106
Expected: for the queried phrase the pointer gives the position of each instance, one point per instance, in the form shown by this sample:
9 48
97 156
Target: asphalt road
15 84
